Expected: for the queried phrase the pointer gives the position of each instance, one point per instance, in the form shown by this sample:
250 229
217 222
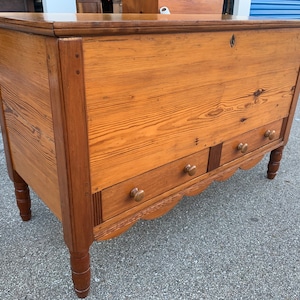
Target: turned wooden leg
81 273
22 197
274 162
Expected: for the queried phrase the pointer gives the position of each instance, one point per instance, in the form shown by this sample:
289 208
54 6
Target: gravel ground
239 239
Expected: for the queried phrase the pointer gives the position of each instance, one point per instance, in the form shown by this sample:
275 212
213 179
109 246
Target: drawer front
118 198
247 142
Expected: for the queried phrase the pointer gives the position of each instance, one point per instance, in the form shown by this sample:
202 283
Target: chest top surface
64 25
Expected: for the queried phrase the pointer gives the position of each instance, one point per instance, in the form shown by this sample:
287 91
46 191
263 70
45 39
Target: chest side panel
26 100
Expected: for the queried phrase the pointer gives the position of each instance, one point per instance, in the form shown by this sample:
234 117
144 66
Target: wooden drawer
117 199
249 141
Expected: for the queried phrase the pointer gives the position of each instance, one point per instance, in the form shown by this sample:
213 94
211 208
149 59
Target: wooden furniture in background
152 6
193 6
17 5
140 6
113 118
89 6
97 6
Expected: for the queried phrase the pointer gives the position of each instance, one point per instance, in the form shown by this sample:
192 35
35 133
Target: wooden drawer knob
191 170
270 134
242 147
137 195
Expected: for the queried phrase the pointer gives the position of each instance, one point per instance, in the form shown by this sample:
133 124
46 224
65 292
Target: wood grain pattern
97 208
161 204
162 115
116 199
64 25
89 6
214 157
254 138
81 273
274 163
5 139
193 6
22 197
140 6
77 213
288 121
77 206
28 115
95 105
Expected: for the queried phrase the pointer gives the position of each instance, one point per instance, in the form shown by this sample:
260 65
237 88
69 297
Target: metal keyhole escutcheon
232 41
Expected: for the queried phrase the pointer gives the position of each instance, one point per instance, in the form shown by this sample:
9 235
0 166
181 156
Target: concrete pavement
239 239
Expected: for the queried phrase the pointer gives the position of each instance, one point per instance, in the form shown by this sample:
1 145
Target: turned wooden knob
137 195
242 147
270 134
191 170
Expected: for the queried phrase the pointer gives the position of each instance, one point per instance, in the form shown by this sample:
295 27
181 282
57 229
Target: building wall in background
279 9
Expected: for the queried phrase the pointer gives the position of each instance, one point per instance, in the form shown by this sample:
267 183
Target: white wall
59 6
241 7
